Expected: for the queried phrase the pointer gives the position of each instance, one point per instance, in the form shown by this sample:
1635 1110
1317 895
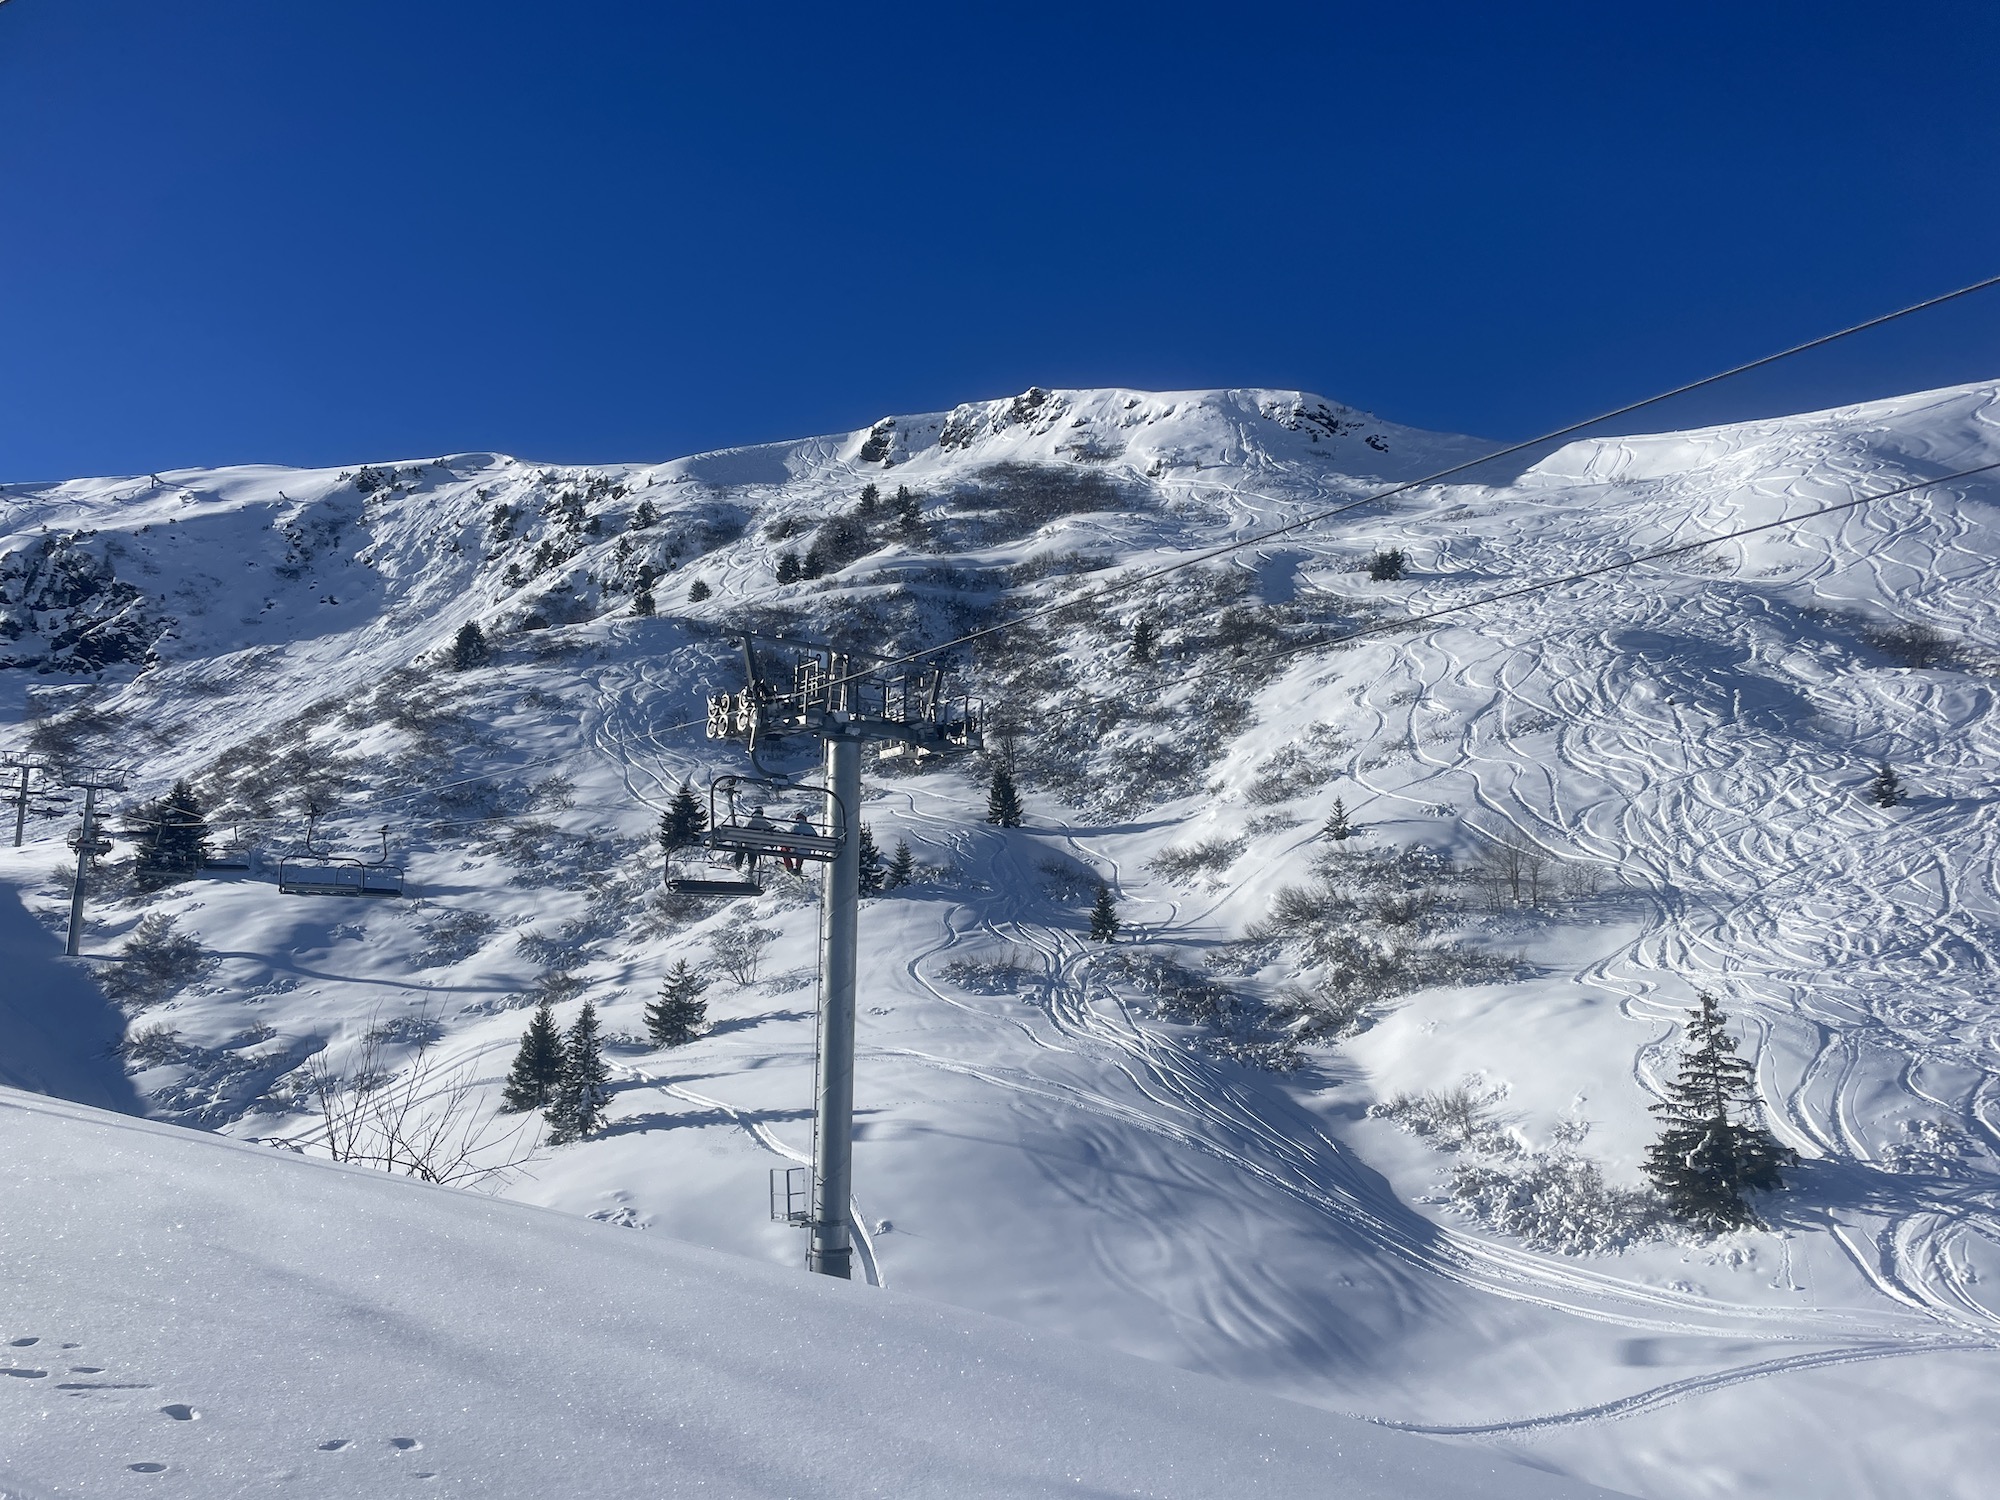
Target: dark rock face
63 608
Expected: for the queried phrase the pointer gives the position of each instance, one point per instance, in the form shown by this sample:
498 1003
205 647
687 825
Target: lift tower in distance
842 698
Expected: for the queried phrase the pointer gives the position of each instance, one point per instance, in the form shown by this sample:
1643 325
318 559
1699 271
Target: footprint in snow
21 1343
404 1445
334 1445
180 1411
148 1468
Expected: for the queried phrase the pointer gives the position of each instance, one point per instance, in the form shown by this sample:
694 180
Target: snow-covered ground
1042 1133
188 1316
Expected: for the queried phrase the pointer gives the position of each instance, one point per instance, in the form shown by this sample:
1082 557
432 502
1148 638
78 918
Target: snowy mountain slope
214 1320
1096 1142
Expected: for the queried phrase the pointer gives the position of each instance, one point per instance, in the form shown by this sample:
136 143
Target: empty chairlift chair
319 873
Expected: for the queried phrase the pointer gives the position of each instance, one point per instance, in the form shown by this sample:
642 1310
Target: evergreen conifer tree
1887 786
1003 803
1712 1146
902 866
789 569
698 591
676 1018
1104 923
576 1108
1143 637
871 863
1338 825
684 821
909 511
537 1066
468 647
1387 567
644 514
172 835
869 498
642 603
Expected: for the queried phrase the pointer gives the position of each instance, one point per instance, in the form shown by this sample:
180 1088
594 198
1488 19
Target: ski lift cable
1402 622
1132 581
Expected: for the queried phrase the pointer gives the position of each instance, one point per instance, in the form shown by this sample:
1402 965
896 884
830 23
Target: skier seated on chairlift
793 862
745 860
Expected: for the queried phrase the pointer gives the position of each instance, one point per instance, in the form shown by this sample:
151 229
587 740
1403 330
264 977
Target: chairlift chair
696 871
741 838
320 873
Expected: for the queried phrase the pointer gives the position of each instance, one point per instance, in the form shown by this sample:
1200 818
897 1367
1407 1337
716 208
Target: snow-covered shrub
1206 857
1368 923
1326 1009
1555 1200
158 959
420 1029
1181 993
1005 501
153 1046
452 937
988 976
1065 879
1935 1147
1459 1118
1913 643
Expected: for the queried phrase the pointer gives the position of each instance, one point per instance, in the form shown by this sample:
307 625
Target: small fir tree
902 866
870 498
684 821
677 1017
1144 636
872 874
789 568
469 648
576 1108
643 515
1003 803
814 565
698 591
172 835
531 1082
1887 787
642 603
1712 1146
1388 566
909 512
1104 921
1338 824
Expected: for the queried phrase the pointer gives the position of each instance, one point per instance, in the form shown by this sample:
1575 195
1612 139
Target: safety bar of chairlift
731 836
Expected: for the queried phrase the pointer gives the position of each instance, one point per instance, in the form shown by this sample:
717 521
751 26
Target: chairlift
699 872
97 847
320 873
723 861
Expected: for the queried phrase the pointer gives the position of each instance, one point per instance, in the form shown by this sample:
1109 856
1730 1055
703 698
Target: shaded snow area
1349 1122
196 1318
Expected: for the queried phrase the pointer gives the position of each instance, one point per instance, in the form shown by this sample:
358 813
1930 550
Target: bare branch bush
1190 860
739 949
428 1121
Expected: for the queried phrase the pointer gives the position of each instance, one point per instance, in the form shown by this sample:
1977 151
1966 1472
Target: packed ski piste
1462 1040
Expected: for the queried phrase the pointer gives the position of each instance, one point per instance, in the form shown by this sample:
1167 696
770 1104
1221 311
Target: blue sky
247 230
